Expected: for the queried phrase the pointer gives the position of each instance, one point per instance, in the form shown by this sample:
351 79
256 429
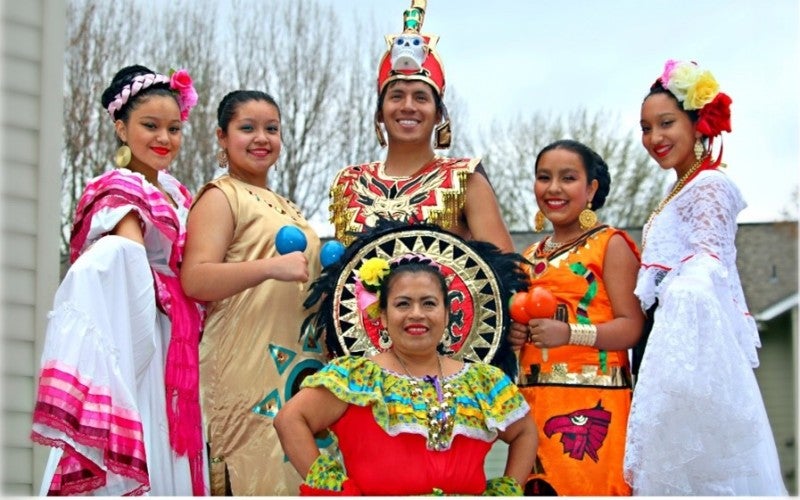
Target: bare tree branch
325 85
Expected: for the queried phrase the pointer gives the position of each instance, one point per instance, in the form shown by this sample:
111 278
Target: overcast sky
504 57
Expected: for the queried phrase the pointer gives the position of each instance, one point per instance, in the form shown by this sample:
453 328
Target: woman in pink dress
118 398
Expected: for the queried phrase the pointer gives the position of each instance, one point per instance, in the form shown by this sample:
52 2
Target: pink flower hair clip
179 82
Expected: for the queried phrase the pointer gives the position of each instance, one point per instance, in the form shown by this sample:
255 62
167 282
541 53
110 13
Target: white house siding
31 100
496 460
777 380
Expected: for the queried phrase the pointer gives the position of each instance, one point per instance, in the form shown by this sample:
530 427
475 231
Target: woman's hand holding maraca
544 333
535 309
291 242
291 267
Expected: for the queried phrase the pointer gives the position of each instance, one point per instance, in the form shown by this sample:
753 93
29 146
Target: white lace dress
698 424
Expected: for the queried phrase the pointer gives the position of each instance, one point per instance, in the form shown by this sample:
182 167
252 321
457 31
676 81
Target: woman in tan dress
253 356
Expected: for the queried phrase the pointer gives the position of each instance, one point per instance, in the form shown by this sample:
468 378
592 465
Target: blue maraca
290 239
331 253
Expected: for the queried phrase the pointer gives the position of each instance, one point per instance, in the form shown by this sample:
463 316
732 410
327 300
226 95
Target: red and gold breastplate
363 194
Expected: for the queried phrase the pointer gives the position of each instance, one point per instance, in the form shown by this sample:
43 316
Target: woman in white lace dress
698 424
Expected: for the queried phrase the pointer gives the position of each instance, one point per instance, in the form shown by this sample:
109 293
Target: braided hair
130 87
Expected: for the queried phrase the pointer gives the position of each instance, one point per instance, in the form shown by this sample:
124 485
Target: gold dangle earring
222 158
123 156
379 131
443 135
538 221
698 149
587 218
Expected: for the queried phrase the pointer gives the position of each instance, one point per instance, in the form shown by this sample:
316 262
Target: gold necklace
440 417
675 190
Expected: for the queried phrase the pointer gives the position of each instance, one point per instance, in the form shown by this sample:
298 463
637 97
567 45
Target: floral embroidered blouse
384 434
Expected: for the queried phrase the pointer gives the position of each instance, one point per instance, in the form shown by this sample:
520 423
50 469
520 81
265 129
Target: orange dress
580 396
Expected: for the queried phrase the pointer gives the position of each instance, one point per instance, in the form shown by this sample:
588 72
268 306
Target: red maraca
516 308
540 303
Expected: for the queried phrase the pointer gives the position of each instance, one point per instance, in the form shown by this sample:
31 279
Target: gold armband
582 334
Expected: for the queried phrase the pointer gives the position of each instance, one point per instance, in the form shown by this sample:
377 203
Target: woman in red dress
408 420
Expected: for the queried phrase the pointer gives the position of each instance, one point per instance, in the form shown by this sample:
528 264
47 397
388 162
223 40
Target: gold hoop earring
538 221
698 149
222 158
122 157
384 340
587 218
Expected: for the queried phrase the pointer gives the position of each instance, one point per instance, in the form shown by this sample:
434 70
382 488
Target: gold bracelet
580 334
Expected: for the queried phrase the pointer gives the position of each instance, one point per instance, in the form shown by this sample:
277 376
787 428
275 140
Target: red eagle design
582 431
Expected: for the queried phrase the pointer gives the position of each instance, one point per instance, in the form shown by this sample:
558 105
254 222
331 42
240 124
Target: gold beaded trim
588 376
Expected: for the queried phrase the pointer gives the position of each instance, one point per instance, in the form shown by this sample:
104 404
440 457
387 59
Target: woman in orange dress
574 368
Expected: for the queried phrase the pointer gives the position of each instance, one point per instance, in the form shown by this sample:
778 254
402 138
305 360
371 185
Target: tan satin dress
252 355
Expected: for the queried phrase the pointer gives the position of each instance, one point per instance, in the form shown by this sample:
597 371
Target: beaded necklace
440 420
551 246
675 190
